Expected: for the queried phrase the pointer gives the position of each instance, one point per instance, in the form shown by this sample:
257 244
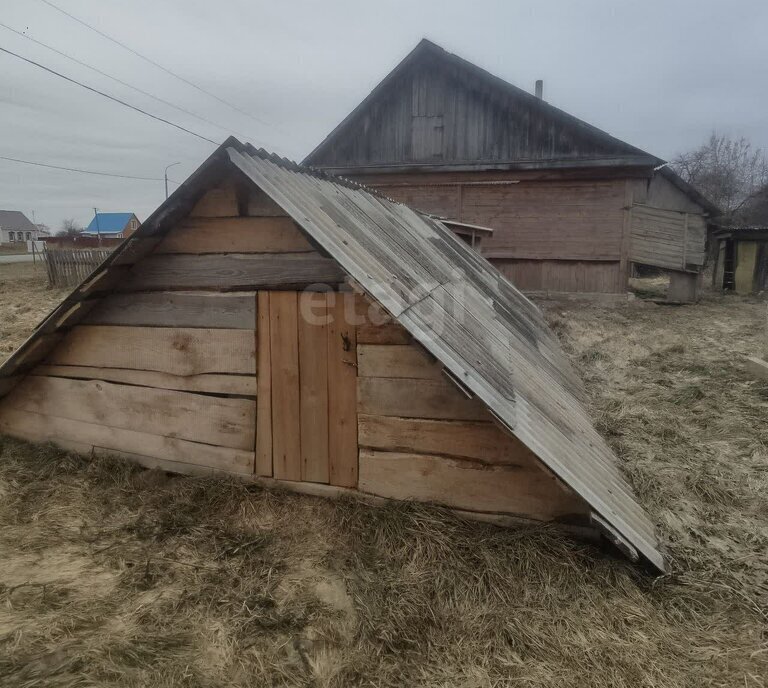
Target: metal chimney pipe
540 88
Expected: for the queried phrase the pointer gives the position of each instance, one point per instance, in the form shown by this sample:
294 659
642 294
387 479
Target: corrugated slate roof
108 223
491 339
486 333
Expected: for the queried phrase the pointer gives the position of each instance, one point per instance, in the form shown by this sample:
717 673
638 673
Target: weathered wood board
314 387
264 400
202 418
178 351
284 352
37 427
232 271
407 361
342 397
235 235
231 310
218 202
211 383
481 441
402 397
466 485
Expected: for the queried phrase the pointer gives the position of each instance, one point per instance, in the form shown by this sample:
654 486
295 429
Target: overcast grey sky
658 74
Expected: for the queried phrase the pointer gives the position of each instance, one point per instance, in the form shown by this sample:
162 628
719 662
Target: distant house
15 226
571 206
112 225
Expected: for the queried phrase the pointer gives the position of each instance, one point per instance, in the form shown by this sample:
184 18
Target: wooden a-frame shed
280 324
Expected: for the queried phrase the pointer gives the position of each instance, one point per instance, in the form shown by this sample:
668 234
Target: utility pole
98 229
166 177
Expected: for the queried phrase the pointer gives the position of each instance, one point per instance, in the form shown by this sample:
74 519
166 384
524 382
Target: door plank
264 388
313 367
342 394
523 491
284 351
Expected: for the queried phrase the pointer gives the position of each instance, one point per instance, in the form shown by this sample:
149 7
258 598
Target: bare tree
69 228
755 210
729 172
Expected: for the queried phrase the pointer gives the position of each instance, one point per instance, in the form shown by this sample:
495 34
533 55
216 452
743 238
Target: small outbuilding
741 259
282 325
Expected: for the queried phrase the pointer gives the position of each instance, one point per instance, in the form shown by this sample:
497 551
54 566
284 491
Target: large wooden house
282 325
571 206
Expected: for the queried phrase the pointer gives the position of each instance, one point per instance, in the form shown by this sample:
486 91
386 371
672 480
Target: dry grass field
25 300
115 576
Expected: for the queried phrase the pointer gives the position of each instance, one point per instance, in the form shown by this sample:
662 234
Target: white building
15 226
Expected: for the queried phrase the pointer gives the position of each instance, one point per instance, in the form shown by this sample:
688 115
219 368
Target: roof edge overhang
645 162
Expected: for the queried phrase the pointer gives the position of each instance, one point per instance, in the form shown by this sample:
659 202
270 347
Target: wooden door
307 401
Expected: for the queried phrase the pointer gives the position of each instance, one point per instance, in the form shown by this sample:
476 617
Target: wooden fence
69 267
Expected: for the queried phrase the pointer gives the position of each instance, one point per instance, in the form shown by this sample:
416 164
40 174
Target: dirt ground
116 576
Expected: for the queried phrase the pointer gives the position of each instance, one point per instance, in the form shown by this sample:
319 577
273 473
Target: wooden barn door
306 425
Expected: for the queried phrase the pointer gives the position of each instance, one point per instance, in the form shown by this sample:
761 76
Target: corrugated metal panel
486 333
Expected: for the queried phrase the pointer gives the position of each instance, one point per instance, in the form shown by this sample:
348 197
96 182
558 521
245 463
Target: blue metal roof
109 223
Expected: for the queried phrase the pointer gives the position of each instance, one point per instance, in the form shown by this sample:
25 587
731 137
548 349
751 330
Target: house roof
492 341
108 223
606 150
539 119
15 220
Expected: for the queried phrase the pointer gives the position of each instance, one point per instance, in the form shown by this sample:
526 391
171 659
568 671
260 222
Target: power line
156 64
76 169
106 95
120 81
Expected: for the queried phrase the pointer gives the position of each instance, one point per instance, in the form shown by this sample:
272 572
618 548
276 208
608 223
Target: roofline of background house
425 46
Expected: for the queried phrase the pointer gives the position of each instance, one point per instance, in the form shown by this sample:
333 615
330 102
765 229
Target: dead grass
25 301
115 576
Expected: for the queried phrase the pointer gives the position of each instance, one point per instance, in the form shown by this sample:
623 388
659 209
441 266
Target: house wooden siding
563 232
181 368
449 138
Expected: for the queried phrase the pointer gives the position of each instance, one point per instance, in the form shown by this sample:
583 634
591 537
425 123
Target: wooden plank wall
167 374
554 233
420 438
563 275
667 238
